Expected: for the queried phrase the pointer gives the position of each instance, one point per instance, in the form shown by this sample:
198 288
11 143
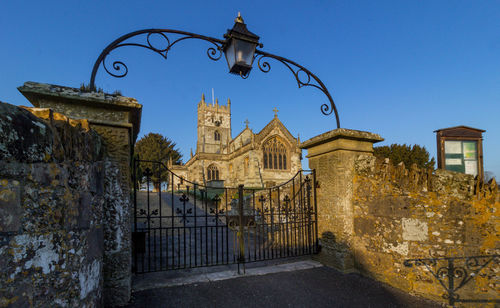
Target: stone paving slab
160 280
299 284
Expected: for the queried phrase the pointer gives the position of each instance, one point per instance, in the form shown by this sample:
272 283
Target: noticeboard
460 150
461 156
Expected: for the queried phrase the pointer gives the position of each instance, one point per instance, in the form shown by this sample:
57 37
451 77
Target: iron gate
179 224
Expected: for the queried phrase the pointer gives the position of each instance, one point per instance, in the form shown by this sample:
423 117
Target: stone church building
262 159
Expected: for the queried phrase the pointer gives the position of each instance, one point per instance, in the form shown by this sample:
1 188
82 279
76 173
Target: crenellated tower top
214 126
214 106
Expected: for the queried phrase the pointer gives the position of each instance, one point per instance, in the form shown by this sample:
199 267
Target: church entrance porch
180 224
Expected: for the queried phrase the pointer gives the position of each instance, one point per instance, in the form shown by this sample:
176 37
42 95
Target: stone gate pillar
117 119
332 155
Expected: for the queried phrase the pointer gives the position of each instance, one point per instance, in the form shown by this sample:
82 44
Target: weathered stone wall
116 118
117 121
373 216
332 155
403 213
57 191
117 242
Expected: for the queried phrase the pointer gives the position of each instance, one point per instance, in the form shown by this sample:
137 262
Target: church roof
241 133
269 127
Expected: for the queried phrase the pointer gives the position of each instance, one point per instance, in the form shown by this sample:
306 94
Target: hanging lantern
239 48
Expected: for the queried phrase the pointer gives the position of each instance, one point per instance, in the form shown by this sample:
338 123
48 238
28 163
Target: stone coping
341 133
35 92
76 94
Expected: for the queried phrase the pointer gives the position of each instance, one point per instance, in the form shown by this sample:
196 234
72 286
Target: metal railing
193 225
453 273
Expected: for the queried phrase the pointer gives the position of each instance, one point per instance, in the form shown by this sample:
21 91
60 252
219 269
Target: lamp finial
239 18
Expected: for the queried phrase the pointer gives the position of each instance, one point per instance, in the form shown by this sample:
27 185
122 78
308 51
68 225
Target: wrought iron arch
214 52
303 76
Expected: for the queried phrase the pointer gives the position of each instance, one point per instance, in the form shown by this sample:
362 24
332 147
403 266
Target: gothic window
217 136
212 173
274 154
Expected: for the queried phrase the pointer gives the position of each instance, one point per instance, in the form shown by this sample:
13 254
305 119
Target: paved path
313 287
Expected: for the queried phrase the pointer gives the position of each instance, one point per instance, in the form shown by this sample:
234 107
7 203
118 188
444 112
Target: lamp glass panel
244 52
230 56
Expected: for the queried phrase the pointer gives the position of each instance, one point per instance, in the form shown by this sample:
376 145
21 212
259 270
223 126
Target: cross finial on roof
246 122
275 110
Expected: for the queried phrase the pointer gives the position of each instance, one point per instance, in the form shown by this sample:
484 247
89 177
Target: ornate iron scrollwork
148 173
455 272
252 227
232 224
262 199
148 215
183 213
120 69
286 202
299 72
251 223
285 206
215 210
263 210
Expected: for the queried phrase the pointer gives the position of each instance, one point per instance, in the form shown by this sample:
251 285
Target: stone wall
373 216
405 213
332 155
58 191
117 121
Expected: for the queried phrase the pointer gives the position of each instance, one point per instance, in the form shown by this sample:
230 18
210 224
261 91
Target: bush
407 154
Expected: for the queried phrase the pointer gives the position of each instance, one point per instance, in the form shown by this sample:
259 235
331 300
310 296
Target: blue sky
401 69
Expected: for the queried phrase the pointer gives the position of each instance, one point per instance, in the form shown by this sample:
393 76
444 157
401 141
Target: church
267 158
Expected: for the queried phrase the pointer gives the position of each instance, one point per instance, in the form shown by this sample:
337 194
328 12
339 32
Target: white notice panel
453 147
453 161
471 167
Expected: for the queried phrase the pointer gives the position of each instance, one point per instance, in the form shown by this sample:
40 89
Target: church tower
214 127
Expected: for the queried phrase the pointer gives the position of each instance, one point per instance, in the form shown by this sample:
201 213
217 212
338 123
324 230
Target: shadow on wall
334 253
474 279
401 214
338 255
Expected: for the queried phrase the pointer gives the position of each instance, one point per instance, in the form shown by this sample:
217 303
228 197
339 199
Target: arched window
216 135
274 154
212 173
